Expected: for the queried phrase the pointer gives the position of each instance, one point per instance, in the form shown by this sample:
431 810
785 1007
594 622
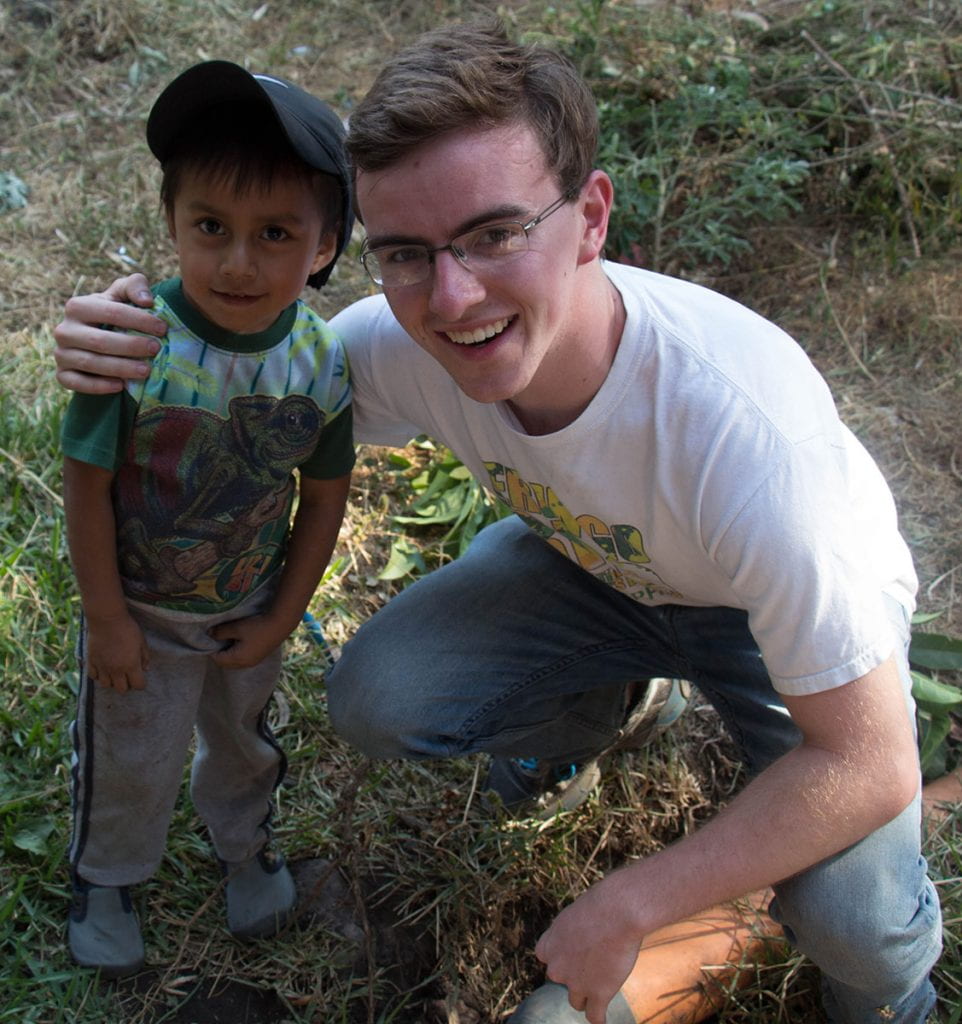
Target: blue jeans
516 651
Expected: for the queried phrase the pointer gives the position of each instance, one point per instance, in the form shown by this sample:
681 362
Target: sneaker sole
663 704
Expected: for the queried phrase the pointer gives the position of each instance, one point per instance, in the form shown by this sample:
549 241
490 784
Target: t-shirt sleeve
801 567
96 427
334 455
376 348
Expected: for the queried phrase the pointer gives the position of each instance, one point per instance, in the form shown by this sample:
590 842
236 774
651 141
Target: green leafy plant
446 496
936 701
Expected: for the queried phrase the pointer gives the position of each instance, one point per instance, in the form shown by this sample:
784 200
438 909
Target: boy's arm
320 510
116 653
92 358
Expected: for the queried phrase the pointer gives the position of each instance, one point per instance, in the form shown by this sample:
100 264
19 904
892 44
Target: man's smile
479 334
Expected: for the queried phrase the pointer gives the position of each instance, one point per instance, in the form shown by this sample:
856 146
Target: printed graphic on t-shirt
615 553
203 502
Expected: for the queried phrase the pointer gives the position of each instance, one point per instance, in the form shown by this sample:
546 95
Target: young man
178 497
689 505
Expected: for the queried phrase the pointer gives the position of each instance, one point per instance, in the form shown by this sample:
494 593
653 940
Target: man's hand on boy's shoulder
97 359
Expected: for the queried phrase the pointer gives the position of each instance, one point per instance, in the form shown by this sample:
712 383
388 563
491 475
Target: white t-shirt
710 469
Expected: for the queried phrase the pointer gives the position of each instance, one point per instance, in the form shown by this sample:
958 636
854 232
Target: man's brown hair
470 77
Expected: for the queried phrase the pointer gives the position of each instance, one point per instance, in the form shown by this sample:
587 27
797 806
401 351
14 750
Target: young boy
178 495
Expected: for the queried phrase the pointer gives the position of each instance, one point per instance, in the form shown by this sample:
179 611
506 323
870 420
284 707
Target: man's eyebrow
505 212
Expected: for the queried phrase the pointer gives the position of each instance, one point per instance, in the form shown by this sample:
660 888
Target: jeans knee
869 947
354 717
373 711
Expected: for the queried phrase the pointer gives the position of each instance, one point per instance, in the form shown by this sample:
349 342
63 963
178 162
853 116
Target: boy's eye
210 226
274 233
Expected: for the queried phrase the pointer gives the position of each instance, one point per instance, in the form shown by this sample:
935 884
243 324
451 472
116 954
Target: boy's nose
237 260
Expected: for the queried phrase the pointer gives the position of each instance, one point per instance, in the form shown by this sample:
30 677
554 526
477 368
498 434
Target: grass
422 909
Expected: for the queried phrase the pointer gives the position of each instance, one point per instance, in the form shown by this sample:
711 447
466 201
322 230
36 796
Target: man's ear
171 230
596 198
326 251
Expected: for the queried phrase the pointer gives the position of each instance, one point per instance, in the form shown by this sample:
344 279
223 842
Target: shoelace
562 772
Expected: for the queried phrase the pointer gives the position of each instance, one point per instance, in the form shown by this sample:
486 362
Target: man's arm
320 509
96 360
855 769
116 652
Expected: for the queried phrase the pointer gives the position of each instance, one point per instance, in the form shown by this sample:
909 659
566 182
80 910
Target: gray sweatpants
129 750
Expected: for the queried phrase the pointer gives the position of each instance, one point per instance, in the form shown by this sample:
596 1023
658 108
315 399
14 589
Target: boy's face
245 258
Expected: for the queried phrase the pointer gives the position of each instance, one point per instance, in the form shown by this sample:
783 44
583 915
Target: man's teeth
478 334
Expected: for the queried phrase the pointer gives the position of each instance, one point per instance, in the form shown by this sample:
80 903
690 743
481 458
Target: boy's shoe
530 787
260 895
549 1005
103 931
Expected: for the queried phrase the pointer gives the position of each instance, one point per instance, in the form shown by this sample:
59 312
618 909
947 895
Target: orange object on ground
684 971
942 798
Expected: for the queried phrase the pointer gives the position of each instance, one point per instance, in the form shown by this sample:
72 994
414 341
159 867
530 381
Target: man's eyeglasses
480 249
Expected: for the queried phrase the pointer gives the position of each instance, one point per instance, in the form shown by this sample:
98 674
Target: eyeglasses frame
459 254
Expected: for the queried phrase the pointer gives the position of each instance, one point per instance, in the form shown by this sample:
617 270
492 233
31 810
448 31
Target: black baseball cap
312 128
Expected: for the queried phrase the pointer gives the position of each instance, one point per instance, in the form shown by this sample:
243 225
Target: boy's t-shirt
204 449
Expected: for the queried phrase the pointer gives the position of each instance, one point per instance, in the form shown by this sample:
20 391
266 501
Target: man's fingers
88 310
596 1010
578 1000
74 381
132 288
95 358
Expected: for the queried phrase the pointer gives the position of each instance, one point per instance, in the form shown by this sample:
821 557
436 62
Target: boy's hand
248 641
116 653
94 359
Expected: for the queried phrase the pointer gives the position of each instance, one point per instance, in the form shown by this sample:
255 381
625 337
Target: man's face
502 333
245 258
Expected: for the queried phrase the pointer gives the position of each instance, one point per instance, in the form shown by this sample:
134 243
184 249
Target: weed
937 701
712 126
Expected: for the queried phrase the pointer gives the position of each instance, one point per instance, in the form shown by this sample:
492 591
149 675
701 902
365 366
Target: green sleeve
96 427
334 455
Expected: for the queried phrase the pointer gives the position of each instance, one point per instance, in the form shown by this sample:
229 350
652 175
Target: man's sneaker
260 895
103 931
549 1005
660 704
529 787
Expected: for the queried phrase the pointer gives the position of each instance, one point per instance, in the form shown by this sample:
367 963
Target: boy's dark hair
229 146
472 76
245 129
